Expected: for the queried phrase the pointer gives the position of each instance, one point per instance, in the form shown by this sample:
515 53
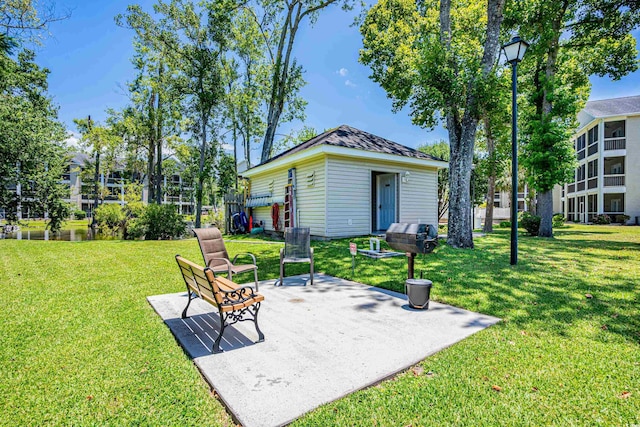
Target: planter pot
418 291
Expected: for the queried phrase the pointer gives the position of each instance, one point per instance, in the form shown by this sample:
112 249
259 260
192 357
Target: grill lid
413 238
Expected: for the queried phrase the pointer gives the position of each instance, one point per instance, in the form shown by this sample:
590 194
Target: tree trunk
462 132
152 151
545 209
96 179
158 130
491 185
203 147
460 228
545 198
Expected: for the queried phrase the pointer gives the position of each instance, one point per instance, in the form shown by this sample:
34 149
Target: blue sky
89 59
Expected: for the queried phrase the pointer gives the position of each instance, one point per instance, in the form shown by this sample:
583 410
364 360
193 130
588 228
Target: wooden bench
235 303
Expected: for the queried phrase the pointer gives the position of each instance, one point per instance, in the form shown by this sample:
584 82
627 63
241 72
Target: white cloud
227 147
350 83
343 72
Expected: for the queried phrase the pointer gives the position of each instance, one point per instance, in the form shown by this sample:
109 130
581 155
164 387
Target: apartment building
607 179
81 193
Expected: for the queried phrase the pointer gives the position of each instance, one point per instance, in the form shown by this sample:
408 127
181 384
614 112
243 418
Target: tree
156 112
100 141
31 150
28 20
440 149
439 59
194 38
571 40
247 94
280 26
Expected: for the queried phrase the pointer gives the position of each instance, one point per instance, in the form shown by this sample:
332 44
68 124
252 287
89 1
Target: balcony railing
580 186
615 143
592 183
593 149
581 155
571 188
613 180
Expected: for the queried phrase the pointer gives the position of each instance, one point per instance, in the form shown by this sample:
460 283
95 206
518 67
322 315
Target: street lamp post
514 52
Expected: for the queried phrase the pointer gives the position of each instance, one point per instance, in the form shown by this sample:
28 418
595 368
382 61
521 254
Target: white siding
310 199
632 171
349 195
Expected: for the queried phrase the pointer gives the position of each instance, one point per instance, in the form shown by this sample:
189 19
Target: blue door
386 197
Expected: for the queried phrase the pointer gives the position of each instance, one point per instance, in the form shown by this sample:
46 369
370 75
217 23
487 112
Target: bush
622 219
109 217
531 223
602 219
505 224
163 222
216 218
558 220
79 214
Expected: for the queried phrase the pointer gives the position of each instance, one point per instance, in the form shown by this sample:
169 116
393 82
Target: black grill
412 239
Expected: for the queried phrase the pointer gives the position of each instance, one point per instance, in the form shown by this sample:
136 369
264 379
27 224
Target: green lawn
80 345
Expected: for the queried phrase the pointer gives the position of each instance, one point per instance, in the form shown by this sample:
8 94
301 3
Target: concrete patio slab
322 342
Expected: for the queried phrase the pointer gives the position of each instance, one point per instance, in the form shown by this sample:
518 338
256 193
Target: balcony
580 186
592 183
571 188
615 144
614 180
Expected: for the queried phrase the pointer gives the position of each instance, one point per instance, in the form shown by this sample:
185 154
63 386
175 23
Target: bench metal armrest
245 254
238 295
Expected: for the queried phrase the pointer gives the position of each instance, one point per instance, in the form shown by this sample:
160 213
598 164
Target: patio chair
216 256
297 248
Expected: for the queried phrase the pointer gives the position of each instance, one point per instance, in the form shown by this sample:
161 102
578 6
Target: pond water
73 235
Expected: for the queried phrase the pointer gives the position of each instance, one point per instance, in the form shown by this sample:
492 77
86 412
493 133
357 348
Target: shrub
109 217
531 223
558 220
622 219
163 222
505 224
602 219
79 214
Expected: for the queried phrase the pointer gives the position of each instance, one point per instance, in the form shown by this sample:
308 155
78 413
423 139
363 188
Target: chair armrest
244 254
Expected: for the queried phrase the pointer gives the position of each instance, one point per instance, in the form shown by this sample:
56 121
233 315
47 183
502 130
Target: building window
614 129
593 168
593 134
614 203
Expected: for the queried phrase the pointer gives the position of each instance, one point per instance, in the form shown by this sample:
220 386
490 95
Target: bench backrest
200 280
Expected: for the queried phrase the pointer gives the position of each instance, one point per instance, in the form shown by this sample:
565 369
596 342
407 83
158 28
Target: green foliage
505 224
530 222
31 152
79 214
602 219
163 222
558 220
110 217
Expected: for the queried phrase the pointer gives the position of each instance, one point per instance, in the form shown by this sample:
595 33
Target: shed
343 183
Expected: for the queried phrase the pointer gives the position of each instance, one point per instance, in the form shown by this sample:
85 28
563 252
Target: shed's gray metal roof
349 137
613 107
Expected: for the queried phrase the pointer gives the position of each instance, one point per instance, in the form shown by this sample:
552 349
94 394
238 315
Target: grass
80 345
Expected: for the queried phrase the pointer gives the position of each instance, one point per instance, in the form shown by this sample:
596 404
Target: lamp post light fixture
514 52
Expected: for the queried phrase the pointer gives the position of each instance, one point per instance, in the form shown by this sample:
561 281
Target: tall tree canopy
438 58
570 40
31 149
